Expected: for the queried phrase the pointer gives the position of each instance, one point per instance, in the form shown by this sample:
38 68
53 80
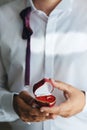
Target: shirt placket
49 50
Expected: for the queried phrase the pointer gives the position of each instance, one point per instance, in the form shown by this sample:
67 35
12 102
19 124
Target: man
58 50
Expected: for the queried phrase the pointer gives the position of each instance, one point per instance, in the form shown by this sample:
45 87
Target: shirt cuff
85 107
7 107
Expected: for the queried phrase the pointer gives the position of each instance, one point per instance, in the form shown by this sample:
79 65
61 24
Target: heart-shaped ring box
43 93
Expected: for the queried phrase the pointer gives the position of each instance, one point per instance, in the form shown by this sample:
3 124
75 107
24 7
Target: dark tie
26 34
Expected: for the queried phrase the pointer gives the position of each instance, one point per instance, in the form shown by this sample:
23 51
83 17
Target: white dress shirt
58 51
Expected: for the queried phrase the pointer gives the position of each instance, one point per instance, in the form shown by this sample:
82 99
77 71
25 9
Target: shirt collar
63 6
34 9
30 3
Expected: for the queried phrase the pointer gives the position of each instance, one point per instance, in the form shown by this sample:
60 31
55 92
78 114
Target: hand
75 101
27 109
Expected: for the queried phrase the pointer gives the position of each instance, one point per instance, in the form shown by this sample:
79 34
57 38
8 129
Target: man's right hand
25 106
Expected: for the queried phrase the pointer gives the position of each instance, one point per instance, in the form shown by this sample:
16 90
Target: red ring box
44 99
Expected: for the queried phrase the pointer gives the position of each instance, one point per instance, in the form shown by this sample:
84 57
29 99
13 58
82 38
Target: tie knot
25 16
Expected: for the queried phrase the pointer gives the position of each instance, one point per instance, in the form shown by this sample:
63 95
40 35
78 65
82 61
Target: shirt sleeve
7 112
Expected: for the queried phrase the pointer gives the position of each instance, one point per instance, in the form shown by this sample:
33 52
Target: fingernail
42 110
28 123
47 114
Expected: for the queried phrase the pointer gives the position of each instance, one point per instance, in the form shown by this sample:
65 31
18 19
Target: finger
51 116
26 97
53 110
23 105
27 110
57 110
61 85
54 116
34 119
29 100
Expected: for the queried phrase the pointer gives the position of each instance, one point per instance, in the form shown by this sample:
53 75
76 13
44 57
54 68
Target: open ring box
43 93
